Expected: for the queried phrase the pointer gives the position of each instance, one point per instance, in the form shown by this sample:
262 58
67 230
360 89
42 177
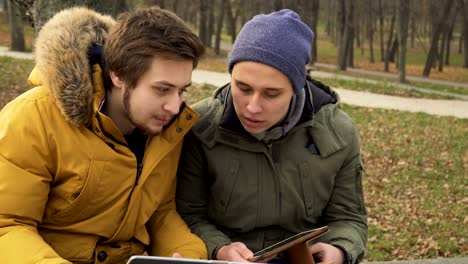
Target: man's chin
151 131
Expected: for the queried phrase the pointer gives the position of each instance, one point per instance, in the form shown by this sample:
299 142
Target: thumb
315 248
177 255
245 252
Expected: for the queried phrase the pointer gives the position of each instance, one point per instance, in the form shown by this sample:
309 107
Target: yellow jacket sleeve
24 185
170 234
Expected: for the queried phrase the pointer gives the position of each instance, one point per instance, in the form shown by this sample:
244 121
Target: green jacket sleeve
345 213
193 193
24 186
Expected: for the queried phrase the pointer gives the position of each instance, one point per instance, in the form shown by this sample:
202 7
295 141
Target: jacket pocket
83 206
223 188
359 192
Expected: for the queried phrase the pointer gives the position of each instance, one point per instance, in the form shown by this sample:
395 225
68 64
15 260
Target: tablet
288 243
167 260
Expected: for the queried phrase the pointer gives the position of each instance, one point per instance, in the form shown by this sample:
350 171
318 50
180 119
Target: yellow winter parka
69 190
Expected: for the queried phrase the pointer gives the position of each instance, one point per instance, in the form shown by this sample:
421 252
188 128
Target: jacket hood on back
62 63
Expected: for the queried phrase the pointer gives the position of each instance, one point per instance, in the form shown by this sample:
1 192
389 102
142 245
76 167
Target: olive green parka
233 187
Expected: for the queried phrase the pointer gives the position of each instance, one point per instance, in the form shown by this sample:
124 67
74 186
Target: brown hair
143 34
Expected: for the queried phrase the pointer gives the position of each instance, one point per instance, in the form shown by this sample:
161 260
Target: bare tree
350 33
231 19
202 21
381 30
464 7
219 27
402 37
278 4
390 42
5 7
16 27
370 29
438 28
309 10
449 38
39 11
211 23
160 3
341 22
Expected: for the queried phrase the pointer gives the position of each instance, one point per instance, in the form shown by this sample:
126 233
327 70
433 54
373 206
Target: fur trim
62 58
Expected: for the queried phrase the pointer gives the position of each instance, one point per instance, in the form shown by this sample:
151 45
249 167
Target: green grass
380 88
415 183
442 88
13 77
388 82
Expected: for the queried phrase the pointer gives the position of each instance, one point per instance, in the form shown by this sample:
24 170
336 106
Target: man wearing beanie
272 154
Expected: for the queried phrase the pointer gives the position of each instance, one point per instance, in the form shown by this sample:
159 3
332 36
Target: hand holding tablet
289 243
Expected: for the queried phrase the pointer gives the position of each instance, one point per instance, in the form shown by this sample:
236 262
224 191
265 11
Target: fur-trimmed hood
62 63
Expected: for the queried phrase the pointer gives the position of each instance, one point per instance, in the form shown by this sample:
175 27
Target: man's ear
116 80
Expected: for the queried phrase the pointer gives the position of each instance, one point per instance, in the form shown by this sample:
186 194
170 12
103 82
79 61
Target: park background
416 164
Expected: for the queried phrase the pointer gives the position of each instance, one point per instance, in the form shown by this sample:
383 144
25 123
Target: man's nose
173 104
254 105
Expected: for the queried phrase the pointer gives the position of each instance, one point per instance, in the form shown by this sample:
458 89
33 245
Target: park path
456 108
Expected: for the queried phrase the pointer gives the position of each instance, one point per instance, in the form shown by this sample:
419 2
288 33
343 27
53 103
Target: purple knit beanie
279 39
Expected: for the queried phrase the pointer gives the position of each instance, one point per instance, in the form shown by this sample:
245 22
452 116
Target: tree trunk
211 22
175 6
231 21
315 15
390 42
464 8
202 22
381 31
370 30
219 26
160 3
341 40
413 30
448 44
435 38
309 11
278 5
402 37
16 27
5 8
350 27
329 24
460 41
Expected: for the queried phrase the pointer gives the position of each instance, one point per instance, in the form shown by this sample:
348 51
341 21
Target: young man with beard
88 157
273 154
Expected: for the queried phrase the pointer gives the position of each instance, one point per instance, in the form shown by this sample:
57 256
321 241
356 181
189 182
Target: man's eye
244 89
163 90
271 95
184 90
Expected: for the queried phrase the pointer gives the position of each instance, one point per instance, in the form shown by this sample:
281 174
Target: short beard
128 113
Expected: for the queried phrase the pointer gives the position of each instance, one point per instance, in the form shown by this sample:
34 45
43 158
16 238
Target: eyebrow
267 88
166 83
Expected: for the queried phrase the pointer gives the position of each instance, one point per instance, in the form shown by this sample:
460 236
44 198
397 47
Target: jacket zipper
139 169
278 188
